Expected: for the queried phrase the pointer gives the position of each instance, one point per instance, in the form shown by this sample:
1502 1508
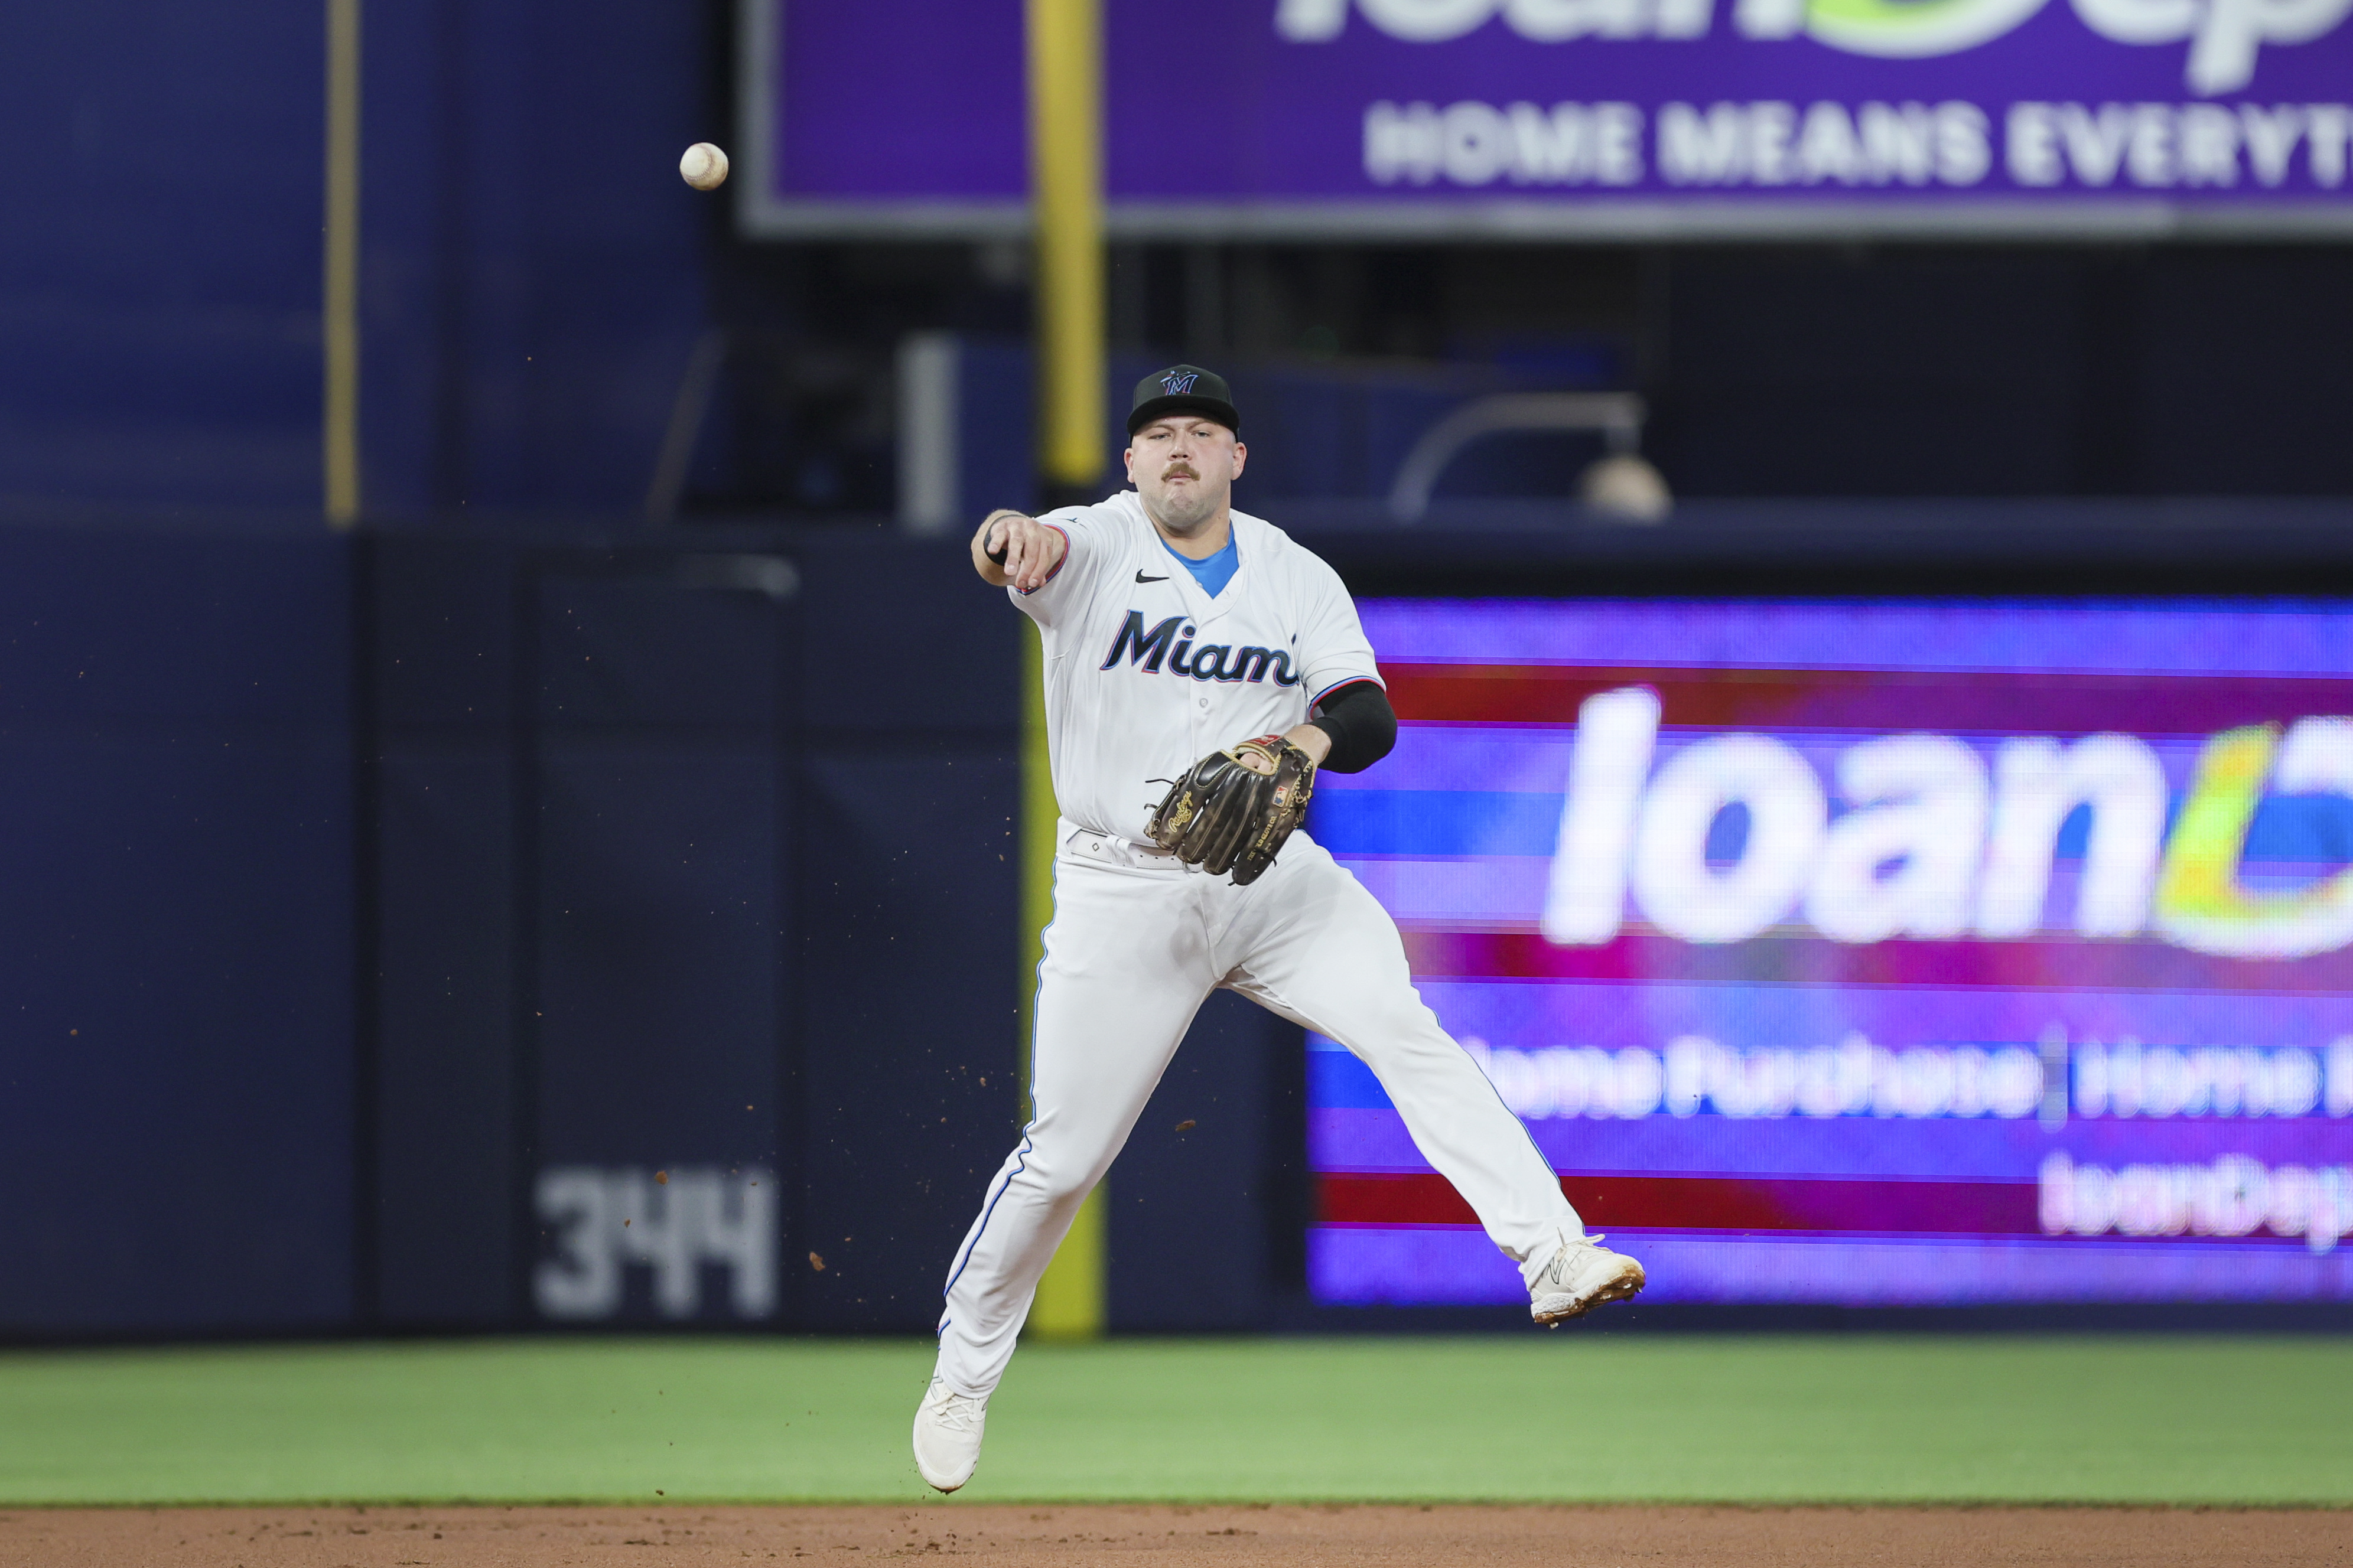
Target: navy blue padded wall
910 900
442 668
892 769
659 1025
176 1105
583 781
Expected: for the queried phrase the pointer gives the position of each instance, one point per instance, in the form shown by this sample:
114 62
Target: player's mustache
1179 471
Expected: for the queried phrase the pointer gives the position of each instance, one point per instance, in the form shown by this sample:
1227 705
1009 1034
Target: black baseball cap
1183 386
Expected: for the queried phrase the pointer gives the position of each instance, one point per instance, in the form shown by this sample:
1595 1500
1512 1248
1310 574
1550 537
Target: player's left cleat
1582 1275
947 1436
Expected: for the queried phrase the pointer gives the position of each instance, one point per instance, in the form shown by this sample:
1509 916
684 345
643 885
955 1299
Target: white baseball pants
1137 943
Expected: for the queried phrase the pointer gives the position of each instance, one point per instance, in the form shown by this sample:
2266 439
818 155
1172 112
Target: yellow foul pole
1066 186
340 296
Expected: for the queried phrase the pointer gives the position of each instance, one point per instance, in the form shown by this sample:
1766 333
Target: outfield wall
177 916
416 933
372 900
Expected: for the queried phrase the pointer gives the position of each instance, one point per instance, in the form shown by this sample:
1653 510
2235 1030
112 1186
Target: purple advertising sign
1575 116
1867 953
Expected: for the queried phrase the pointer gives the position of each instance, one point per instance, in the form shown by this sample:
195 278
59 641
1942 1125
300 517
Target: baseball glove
1225 815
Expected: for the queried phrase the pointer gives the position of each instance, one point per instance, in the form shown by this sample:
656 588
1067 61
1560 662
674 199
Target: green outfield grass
1535 1418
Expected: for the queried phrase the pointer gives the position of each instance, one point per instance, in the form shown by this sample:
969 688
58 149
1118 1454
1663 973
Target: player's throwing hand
1012 550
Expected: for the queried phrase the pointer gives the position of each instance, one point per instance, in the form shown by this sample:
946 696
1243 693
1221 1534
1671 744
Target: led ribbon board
1625 117
1871 953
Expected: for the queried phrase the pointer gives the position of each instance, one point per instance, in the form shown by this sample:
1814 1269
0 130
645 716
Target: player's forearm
1311 739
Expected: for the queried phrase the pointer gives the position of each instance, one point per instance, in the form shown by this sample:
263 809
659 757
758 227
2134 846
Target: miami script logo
1939 842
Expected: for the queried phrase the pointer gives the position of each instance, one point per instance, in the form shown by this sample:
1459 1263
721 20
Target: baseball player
1175 629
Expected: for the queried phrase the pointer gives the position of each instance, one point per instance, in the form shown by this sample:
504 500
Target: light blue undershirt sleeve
1214 574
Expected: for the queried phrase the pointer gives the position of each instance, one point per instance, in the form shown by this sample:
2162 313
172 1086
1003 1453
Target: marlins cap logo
1178 383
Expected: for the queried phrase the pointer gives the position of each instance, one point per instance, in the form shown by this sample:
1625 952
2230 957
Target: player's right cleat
947 1436
1582 1275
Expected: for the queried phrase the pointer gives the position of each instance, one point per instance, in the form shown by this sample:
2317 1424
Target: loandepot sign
2223 36
1970 845
1582 116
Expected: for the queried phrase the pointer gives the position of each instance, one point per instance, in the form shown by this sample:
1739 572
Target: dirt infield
1162 1537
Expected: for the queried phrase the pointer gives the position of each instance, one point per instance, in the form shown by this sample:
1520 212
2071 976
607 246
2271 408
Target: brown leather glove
1226 815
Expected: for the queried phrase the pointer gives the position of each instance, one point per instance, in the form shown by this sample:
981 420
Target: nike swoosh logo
1141 578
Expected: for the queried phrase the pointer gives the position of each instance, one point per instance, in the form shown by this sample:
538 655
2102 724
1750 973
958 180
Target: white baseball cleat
947 1436
1582 1275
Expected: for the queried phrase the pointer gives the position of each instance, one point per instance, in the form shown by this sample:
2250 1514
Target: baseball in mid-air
704 167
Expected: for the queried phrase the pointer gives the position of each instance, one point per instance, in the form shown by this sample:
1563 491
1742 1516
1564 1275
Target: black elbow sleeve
1362 725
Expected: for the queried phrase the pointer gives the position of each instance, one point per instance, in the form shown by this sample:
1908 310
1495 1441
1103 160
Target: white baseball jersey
1146 674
